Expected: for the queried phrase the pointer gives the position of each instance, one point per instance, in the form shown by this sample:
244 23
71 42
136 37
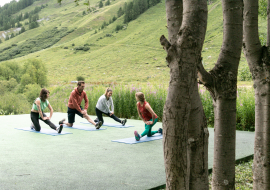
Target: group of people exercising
103 106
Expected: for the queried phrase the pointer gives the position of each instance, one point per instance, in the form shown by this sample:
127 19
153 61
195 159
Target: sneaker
124 122
98 125
96 120
59 129
137 135
62 121
32 126
160 130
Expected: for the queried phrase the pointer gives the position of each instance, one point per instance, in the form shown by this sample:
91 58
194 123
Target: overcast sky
2 2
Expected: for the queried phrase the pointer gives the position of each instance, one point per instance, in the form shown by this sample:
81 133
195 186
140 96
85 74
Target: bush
86 48
244 74
80 78
12 103
79 48
31 92
65 47
118 27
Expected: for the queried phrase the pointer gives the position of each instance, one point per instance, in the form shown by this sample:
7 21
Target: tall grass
123 98
125 102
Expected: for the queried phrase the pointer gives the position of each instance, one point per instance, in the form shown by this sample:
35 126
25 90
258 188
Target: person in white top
104 104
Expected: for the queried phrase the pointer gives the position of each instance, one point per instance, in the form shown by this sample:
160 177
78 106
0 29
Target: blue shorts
71 114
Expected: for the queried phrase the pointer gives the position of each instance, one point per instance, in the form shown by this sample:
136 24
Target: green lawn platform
86 159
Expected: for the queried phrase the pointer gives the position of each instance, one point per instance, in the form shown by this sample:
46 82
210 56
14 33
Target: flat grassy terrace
86 159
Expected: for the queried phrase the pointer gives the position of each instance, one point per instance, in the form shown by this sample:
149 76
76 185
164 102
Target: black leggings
35 119
100 118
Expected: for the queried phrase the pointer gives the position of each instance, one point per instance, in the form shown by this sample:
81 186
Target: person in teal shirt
38 107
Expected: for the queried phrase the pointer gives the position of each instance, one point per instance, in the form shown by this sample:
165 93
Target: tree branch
165 43
204 77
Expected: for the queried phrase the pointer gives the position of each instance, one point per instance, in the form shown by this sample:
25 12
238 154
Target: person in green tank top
37 114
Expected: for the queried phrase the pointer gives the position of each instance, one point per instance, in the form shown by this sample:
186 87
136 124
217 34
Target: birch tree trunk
221 82
185 130
259 64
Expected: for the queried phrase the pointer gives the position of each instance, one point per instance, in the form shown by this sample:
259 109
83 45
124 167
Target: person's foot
137 135
98 124
62 121
96 120
124 122
32 126
59 129
160 130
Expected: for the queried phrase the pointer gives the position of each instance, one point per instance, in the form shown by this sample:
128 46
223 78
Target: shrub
118 27
86 48
80 78
65 47
244 74
79 48
12 103
31 92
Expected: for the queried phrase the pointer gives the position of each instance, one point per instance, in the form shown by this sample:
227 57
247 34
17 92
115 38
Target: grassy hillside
132 54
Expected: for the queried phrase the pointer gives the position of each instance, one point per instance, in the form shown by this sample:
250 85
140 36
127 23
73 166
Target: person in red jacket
74 106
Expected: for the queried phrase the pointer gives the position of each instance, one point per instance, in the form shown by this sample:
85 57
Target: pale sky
3 2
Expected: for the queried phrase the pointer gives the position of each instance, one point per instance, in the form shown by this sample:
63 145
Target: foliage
244 74
80 78
243 176
133 9
37 71
263 8
31 92
7 86
10 70
12 103
245 106
245 109
41 41
100 4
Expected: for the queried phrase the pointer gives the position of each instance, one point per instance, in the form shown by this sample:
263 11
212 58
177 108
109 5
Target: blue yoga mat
45 131
86 128
132 140
112 125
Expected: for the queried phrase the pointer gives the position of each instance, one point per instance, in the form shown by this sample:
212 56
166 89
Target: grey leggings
35 119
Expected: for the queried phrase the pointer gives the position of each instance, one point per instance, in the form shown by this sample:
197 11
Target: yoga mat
86 128
45 131
112 125
132 140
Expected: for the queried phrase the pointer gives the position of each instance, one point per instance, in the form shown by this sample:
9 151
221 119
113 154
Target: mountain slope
132 54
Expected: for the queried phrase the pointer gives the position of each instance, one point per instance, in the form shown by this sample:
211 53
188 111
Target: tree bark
185 140
259 64
221 82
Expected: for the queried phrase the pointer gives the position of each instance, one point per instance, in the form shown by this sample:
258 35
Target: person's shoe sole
124 122
160 131
61 122
98 125
60 128
136 135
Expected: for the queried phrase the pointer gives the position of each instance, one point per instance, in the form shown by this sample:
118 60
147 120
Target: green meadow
129 55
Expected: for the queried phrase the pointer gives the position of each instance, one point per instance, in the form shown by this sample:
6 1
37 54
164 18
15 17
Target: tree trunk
221 82
259 63
185 133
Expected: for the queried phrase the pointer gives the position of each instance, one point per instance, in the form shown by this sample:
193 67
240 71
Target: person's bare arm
51 110
148 107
